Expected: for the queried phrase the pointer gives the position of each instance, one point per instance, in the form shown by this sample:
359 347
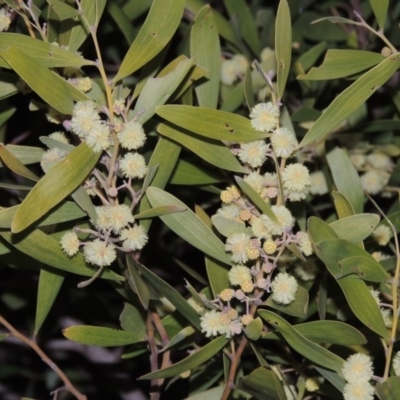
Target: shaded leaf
157 211
186 173
253 329
297 308
50 282
380 9
140 286
388 390
132 321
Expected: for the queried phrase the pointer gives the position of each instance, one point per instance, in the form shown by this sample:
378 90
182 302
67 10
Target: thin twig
68 385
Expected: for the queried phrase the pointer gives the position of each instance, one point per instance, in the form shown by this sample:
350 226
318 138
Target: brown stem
154 391
232 370
68 385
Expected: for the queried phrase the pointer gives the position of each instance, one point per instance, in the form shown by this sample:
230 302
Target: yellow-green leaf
380 9
214 124
55 186
161 23
100 336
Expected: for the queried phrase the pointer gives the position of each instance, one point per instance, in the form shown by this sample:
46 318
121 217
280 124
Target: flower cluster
114 226
358 371
258 243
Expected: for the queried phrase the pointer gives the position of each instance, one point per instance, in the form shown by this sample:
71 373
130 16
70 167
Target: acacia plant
210 189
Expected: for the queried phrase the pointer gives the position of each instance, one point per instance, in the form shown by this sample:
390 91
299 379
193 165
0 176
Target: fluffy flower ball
5 20
396 363
99 253
132 136
285 220
284 288
237 244
253 153
358 390
284 142
239 274
358 368
134 238
70 243
264 117
133 165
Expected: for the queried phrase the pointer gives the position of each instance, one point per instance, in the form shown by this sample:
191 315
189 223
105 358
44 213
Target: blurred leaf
335 379
46 54
157 211
388 390
339 63
255 198
186 173
8 87
248 89
160 25
380 8
132 321
355 228
217 273
45 249
101 336
205 47
309 57
302 345
283 45
239 11
351 98
329 332
50 282
51 190
53 89
172 295
297 308
15 165
207 122
122 21
187 225
83 200
346 178
194 360
156 91
212 151
253 329
233 97
26 154
263 384
62 10
79 29
140 286
224 27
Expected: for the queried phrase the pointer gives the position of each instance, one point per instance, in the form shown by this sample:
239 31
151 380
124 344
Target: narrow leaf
214 152
100 336
204 45
214 124
352 98
187 225
51 190
283 45
50 282
161 23
302 345
380 9
194 360
15 165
